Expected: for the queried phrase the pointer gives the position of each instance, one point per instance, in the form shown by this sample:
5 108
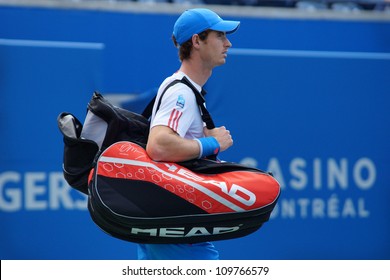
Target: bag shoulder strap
206 117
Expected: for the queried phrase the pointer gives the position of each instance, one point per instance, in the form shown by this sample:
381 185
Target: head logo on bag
180 232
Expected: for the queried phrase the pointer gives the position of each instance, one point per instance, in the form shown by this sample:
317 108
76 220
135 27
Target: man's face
214 48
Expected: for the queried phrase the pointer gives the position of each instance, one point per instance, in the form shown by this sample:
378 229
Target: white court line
304 53
51 44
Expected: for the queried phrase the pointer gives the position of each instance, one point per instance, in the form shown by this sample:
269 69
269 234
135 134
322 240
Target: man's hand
222 135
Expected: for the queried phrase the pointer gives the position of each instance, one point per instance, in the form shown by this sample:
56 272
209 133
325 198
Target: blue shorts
198 251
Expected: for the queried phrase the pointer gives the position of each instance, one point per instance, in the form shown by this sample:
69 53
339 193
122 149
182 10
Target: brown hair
186 47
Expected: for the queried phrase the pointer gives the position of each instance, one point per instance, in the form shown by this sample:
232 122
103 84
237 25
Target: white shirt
178 109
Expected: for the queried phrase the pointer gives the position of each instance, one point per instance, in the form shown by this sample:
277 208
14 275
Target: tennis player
177 131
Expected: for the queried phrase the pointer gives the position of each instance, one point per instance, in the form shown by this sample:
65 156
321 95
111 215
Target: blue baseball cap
195 21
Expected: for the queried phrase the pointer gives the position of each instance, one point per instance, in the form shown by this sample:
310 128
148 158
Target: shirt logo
180 101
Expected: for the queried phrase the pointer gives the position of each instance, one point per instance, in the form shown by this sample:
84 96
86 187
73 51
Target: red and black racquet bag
137 199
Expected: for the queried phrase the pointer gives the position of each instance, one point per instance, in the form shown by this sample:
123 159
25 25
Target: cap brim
227 26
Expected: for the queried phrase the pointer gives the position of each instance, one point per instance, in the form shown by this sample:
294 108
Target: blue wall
305 99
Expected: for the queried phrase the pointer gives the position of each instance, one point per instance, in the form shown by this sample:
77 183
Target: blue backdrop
305 99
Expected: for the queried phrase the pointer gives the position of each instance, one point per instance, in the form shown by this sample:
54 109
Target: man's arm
164 144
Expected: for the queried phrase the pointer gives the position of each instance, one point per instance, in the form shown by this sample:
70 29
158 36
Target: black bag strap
206 117
149 108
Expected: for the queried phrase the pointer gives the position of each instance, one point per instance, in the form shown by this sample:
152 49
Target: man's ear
195 41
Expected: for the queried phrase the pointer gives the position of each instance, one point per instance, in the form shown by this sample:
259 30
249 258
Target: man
177 131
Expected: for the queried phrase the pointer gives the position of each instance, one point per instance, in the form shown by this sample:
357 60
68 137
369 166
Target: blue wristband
208 146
